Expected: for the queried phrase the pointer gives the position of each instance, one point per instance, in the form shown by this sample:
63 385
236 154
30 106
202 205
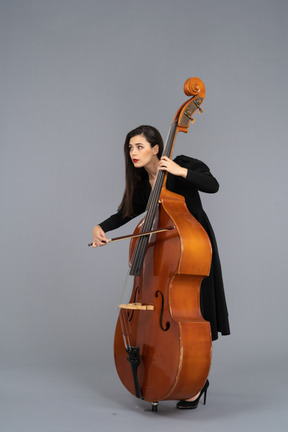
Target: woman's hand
167 164
99 237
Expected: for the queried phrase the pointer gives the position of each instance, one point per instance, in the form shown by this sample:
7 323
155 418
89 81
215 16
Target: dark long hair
134 176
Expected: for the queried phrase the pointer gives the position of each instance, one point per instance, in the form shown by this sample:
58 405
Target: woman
186 176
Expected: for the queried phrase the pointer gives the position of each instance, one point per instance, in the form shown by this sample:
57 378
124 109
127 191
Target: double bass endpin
154 406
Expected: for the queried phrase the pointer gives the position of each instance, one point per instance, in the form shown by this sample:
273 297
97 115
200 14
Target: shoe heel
205 395
204 390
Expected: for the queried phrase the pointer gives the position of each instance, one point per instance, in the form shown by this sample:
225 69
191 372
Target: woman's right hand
99 237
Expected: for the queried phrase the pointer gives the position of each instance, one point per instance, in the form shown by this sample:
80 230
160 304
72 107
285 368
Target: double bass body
173 339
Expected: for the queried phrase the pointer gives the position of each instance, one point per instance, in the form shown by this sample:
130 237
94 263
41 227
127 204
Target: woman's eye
140 147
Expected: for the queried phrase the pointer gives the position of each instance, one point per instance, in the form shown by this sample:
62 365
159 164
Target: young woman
186 176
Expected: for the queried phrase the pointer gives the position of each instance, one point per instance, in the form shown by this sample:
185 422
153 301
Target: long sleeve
198 177
140 199
114 221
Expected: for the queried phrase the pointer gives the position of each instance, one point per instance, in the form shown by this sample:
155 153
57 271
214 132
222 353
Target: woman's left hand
168 165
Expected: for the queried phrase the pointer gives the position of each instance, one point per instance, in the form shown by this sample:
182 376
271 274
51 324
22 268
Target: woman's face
141 152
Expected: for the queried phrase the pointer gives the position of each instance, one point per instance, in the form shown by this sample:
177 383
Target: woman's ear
156 149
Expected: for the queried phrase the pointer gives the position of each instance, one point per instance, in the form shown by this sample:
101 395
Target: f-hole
161 313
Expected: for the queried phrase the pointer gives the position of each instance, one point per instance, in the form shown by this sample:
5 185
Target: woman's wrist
184 172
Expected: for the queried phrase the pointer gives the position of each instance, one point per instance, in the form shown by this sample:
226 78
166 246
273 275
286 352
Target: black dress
199 178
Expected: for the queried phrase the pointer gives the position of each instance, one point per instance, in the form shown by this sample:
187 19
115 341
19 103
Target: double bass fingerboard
152 205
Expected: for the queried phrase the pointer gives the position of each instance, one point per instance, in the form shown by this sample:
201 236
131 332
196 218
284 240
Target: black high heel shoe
183 404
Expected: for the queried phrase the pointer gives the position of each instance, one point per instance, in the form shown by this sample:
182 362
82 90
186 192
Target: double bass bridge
136 306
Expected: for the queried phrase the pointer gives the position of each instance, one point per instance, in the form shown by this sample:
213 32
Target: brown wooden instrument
162 344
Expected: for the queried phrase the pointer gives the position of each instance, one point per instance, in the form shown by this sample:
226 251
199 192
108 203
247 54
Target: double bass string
124 322
140 249
141 244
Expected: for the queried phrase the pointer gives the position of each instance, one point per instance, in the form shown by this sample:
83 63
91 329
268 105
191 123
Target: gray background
76 76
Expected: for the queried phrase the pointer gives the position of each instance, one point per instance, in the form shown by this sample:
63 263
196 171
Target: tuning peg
190 118
198 106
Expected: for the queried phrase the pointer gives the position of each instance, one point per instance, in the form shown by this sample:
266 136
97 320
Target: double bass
162 343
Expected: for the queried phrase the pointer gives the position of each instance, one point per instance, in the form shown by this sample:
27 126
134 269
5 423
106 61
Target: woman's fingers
99 237
172 167
167 164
